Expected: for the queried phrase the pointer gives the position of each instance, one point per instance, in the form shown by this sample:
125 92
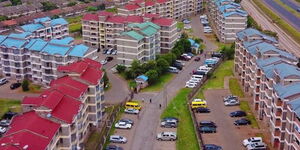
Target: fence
190 97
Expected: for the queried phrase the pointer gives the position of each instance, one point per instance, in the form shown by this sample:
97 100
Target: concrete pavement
285 41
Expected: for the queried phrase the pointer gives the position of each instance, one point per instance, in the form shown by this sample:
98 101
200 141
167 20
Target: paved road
285 41
291 4
288 16
17 94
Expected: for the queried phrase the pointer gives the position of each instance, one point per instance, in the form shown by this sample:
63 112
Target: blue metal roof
143 77
283 68
12 42
79 50
295 105
64 41
250 32
22 35
227 14
58 21
2 38
36 45
265 62
41 20
56 49
32 27
284 91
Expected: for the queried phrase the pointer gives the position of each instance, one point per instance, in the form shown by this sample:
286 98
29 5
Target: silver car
166 136
117 139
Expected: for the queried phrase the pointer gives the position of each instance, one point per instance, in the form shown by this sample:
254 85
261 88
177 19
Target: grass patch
113 10
76 27
244 105
180 25
34 88
279 21
235 88
186 132
159 84
9 104
75 19
92 140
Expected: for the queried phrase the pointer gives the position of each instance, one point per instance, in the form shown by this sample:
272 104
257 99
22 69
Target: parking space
228 136
165 145
7 93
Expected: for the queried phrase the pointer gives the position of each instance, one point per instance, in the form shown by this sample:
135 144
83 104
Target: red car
197 59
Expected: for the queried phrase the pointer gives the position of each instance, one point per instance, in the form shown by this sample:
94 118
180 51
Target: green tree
25 85
136 68
162 65
198 40
71 3
238 1
16 2
169 57
152 76
2 18
184 36
150 65
101 7
228 51
105 79
48 6
55 17
91 8
176 52
121 68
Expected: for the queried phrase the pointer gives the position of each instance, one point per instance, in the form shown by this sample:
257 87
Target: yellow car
133 105
198 104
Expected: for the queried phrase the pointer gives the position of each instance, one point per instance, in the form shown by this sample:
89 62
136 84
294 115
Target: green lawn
180 25
92 141
8 104
244 105
186 133
75 27
235 88
75 19
113 10
217 78
159 84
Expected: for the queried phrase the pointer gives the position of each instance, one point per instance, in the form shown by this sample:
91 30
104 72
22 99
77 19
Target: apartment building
100 30
25 57
140 41
60 118
270 75
46 28
292 138
228 18
176 9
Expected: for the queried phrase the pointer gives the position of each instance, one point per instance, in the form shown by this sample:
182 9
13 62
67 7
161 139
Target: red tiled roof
9 22
150 3
134 19
105 13
37 101
68 81
138 1
67 109
67 90
92 62
92 75
116 19
30 129
55 12
90 17
79 66
131 6
162 1
51 99
163 21
148 15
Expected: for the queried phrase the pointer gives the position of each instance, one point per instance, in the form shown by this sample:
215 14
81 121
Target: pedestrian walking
150 100
159 106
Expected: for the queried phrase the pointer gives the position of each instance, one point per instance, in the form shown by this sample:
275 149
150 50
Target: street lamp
17 145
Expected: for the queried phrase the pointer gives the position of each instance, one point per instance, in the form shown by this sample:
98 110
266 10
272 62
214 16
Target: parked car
3 81
113 147
190 84
207 129
232 103
173 70
114 52
123 125
127 121
170 119
190 54
197 59
252 140
199 73
242 121
217 54
103 62
4 123
257 146
2 130
202 110
230 97
105 51
15 85
169 124
186 21
177 66
207 124
117 139
108 52
131 111
109 59
211 147
238 113
196 80
166 136
298 9
8 115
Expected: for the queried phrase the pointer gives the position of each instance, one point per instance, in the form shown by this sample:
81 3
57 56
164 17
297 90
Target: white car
117 139
103 62
131 111
196 79
232 103
190 85
252 140
166 136
2 130
257 146
123 125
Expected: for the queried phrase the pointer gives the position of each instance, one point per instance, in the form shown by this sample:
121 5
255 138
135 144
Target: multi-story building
176 9
100 30
228 18
46 28
61 116
25 57
270 75
292 138
140 41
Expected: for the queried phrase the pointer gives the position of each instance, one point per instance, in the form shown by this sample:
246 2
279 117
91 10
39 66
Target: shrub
25 85
152 76
121 68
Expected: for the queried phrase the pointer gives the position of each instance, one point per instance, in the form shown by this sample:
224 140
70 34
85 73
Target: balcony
258 81
277 133
277 123
279 103
257 90
278 113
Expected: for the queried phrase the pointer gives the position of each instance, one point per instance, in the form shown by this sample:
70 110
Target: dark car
113 147
202 110
242 121
197 59
238 113
207 129
9 115
216 54
109 58
129 121
15 85
169 124
178 65
105 51
199 73
170 119
207 124
211 147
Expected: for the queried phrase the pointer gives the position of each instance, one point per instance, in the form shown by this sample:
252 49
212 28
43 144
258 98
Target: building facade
60 118
25 57
271 76
228 18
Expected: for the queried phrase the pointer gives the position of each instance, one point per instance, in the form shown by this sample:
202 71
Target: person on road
150 100
159 106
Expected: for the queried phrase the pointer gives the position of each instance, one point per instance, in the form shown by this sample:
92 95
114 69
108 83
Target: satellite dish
48 115
25 147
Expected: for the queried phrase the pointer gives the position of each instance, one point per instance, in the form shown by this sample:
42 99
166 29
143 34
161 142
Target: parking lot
228 136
